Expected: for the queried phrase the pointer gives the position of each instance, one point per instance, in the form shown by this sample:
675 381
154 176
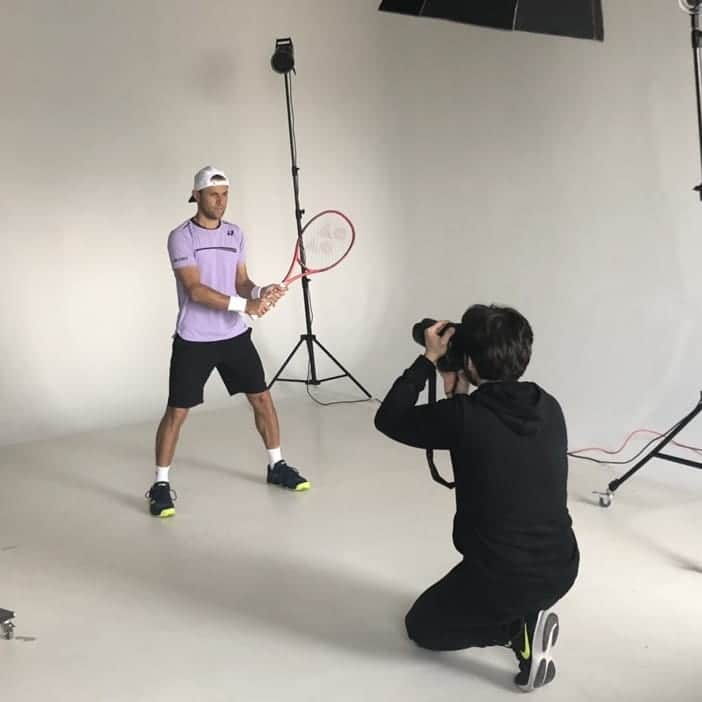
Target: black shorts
236 359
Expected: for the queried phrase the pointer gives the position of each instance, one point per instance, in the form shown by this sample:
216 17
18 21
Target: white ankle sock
162 474
274 455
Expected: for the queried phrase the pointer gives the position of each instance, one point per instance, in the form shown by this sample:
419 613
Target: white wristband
236 304
255 292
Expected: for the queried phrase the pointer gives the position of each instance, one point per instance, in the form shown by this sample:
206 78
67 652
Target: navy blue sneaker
532 645
286 476
161 499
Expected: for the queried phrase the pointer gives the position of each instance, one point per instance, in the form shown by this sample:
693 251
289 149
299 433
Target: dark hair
498 340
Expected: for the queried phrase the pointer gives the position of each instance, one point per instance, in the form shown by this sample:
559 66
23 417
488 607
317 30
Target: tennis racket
327 239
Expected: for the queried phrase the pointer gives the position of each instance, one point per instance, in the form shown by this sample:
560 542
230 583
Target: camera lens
419 328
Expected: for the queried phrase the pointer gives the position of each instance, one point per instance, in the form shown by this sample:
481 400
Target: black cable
633 458
337 402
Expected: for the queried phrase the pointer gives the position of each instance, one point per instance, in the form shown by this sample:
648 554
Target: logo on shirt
230 232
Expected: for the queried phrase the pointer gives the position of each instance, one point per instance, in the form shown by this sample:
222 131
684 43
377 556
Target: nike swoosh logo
526 652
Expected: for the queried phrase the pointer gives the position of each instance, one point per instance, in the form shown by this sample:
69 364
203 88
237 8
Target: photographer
512 527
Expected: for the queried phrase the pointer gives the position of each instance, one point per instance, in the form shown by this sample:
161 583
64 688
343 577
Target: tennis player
208 257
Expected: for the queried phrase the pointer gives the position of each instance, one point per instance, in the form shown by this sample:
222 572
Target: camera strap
436 476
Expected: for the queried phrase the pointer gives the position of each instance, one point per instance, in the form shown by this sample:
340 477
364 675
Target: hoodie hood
520 406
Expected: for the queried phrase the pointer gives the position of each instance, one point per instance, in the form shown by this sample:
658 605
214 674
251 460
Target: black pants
457 613
236 360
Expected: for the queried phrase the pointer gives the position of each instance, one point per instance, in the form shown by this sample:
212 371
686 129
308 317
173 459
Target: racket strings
326 242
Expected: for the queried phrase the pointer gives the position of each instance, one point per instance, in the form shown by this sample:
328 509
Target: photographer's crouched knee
427 626
417 631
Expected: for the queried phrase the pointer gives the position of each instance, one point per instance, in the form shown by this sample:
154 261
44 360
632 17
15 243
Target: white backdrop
547 173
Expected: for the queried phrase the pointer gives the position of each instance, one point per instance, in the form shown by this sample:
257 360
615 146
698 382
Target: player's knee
261 401
177 415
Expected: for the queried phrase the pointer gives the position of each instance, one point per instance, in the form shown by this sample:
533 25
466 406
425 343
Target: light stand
283 61
693 8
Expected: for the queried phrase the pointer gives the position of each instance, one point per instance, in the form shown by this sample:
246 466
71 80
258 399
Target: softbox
581 19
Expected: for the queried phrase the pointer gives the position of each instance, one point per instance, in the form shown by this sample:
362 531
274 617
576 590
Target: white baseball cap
206 177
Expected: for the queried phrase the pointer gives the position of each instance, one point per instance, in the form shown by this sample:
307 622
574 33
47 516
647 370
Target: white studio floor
252 593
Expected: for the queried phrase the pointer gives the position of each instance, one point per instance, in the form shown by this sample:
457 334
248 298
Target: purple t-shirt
216 253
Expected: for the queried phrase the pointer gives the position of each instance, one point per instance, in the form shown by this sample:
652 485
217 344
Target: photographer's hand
462 386
450 381
436 344
455 383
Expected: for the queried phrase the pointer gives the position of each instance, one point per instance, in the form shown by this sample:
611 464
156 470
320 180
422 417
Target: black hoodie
508 447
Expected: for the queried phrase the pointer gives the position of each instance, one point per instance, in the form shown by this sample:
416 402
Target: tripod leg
287 360
612 487
365 392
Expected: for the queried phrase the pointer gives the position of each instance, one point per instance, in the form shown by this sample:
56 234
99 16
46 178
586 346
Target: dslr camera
455 355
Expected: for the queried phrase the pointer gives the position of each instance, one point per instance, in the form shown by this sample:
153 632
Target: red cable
628 438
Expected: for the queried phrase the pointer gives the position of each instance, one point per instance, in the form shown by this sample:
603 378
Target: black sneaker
161 500
532 645
286 476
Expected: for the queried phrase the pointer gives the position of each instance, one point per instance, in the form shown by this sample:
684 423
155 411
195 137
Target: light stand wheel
605 498
6 624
